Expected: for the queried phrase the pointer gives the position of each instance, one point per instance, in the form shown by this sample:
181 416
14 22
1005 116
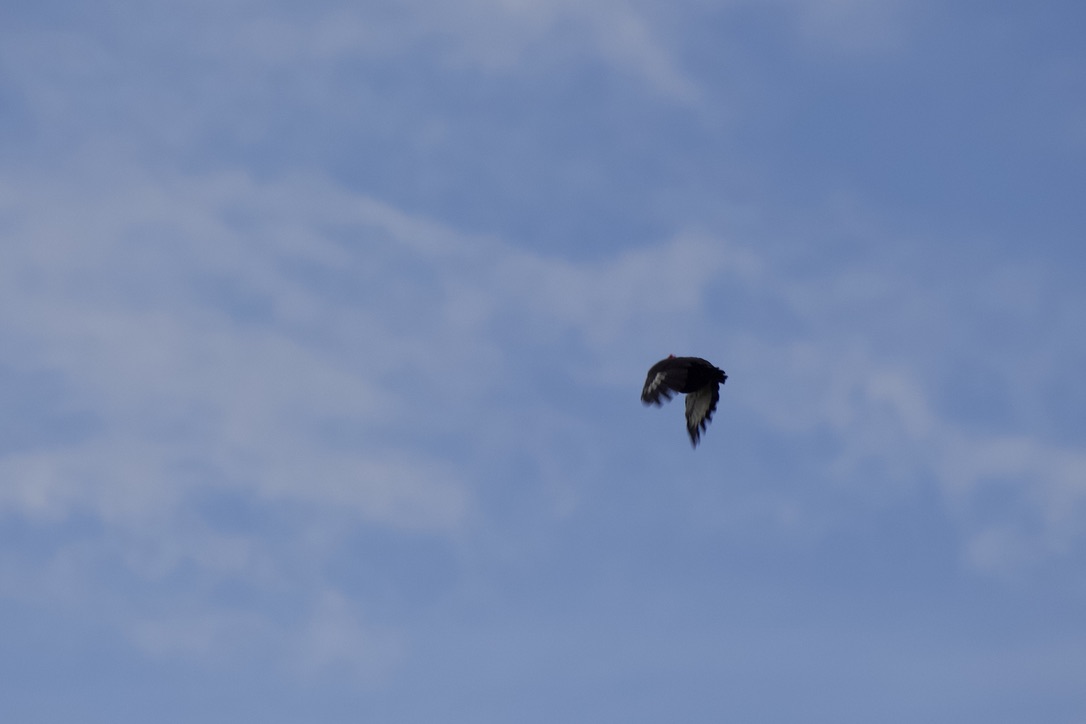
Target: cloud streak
335 361
256 336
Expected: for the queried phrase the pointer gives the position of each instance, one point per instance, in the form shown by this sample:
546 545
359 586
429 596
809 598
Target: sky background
323 327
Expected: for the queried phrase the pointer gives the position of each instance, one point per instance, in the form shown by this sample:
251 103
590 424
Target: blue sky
323 327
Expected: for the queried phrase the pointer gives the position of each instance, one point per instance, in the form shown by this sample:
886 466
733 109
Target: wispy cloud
870 352
297 341
288 345
197 341
322 328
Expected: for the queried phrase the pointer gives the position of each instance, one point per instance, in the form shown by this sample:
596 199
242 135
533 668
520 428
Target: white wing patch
699 410
653 392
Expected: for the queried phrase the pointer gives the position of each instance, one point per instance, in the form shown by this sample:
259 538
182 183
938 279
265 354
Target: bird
698 379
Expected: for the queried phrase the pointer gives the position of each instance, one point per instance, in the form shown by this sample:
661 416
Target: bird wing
663 381
700 406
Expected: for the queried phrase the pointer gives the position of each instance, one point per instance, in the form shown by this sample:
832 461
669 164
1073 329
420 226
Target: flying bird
694 377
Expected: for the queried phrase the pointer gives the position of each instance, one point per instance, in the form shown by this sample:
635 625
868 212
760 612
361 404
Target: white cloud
302 347
506 35
336 636
195 341
866 354
205 635
181 313
490 36
622 297
290 342
330 636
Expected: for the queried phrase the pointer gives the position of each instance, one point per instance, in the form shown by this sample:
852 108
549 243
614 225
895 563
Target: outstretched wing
700 406
665 378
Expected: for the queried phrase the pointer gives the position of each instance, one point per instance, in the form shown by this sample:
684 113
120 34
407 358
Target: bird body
694 377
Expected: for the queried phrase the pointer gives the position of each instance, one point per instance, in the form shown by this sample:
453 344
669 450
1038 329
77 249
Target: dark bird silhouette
694 377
